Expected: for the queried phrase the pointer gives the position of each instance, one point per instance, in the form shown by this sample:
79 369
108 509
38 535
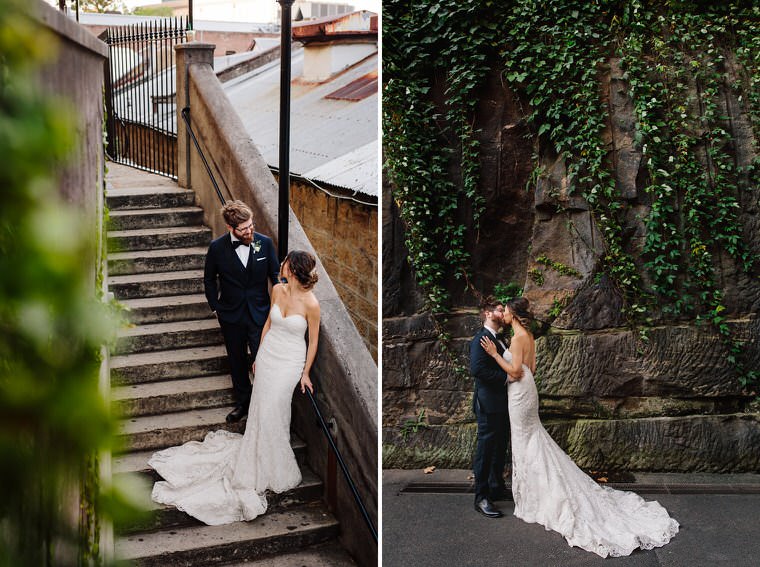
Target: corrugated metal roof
355 171
322 130
357 89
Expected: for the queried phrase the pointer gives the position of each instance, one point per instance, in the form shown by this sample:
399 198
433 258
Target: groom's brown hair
236 213
488 303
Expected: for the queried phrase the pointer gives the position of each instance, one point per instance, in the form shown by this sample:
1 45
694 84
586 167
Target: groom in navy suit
489 402
239 267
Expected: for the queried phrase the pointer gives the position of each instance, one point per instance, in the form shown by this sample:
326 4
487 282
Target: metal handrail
186 117
344 468
323 424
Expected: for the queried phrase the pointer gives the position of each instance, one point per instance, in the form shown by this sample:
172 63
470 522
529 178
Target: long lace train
549 489
224 478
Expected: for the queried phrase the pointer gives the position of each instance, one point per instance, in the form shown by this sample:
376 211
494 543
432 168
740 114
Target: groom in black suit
489 403
239 266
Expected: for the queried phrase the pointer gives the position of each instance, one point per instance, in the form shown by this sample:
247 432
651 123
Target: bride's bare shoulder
311 302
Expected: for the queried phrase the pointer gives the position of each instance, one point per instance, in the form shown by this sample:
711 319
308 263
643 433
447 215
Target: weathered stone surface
627 158
583 365
553 190
684 361
596 305
569 238
720 443
400 292
717 444
498 248
445 447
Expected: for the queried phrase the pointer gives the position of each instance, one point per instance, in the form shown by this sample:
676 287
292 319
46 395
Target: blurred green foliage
53 420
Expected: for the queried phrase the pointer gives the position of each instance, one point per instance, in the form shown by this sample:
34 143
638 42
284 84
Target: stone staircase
169 385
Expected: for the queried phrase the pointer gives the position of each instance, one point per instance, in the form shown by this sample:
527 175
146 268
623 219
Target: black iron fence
140 80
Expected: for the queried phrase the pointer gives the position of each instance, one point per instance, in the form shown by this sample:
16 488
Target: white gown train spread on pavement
223 478
549 489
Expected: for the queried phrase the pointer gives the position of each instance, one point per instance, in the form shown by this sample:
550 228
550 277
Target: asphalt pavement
428 521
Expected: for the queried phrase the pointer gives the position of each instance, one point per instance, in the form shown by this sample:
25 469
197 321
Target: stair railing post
284 162
190 53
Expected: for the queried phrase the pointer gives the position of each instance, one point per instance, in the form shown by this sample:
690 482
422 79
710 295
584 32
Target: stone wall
611 399
344 234
75 76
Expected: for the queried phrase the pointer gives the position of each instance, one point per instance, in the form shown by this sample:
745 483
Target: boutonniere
256 246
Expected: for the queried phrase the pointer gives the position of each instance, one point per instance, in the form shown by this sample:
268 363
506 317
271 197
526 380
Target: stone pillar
187 54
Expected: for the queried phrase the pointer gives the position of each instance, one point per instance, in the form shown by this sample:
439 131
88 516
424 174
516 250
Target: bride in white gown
223 479
548 488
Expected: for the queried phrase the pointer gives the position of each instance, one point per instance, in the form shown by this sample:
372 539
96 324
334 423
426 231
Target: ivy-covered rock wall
600 158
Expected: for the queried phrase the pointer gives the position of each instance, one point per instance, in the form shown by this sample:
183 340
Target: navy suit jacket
231 288
490 380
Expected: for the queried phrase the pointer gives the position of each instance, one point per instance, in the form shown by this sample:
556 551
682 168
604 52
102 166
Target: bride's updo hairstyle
303 266
520 310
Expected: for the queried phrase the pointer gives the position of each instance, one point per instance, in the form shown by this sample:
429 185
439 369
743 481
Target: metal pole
190 15
284 163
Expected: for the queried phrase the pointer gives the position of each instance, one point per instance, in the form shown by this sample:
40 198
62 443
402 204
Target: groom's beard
246 239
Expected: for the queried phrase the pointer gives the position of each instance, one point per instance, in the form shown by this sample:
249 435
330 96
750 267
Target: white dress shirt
243 251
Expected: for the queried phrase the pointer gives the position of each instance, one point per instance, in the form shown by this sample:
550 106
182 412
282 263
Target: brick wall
344 234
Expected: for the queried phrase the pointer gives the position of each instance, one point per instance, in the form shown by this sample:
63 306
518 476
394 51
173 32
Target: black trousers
239 338
490 453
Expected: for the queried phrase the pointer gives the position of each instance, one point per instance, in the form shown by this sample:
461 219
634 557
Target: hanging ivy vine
435 57
679 62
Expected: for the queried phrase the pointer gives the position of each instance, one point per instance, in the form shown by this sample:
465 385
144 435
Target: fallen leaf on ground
428 470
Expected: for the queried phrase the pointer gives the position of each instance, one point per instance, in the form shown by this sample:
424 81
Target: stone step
275 533
161 517
167 336
172 396
146 197
137 462
159 431
131 219
186 282
157 238
168 365
161 260
165 309
324 555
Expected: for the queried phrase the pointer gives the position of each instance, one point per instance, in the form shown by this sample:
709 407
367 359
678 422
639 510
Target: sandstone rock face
613 399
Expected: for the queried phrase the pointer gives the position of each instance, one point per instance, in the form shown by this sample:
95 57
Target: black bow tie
236 243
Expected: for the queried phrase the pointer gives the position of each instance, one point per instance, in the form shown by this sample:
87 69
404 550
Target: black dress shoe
237 414
487 509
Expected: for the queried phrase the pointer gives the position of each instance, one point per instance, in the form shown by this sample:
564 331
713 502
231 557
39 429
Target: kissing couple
548 488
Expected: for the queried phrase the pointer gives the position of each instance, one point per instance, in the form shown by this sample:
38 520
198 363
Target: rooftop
334 139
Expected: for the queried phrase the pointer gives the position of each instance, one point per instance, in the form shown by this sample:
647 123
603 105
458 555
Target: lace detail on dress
223 478
549 489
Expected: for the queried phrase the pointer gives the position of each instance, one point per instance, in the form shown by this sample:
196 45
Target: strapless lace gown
549 489
223 479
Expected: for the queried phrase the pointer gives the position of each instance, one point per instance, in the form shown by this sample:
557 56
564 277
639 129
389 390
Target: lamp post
284 162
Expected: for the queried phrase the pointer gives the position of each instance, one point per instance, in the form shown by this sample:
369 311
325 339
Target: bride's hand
253 368
488 346
306 383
